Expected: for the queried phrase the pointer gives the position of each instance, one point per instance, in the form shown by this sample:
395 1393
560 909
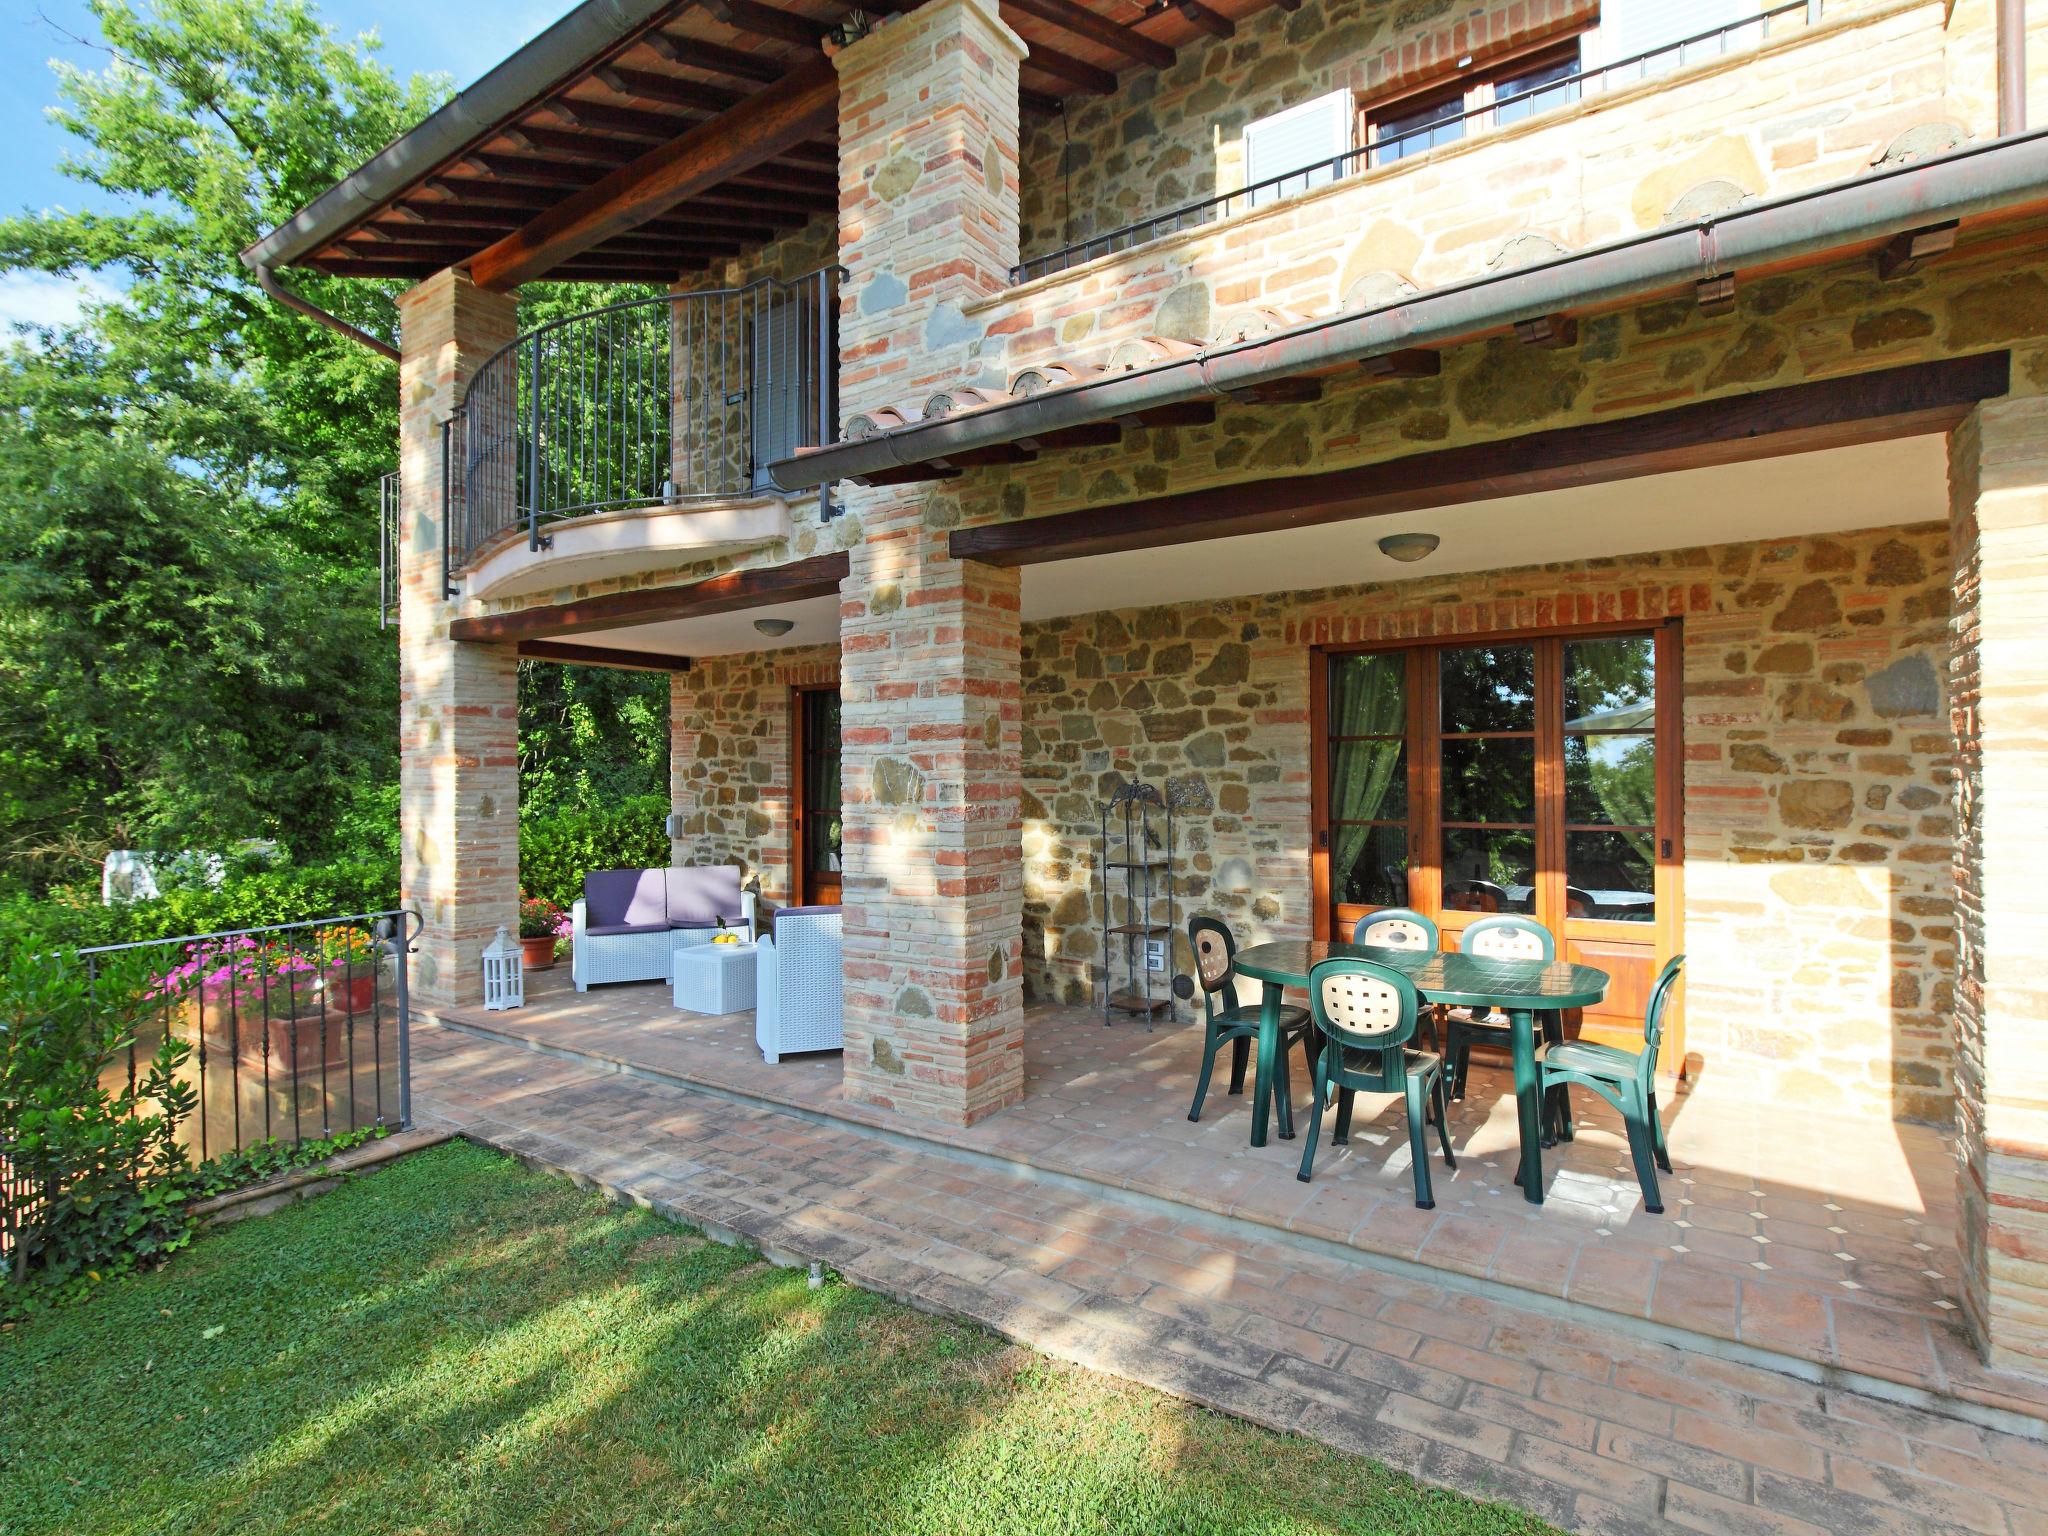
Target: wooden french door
814 771
1535 773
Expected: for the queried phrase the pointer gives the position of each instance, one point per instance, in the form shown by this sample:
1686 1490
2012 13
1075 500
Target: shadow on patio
1816 1239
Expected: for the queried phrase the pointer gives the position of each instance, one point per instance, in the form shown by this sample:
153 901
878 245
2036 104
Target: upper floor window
1501 93
1299 148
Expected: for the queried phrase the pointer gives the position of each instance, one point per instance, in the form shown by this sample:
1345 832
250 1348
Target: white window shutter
1307 138
1631 27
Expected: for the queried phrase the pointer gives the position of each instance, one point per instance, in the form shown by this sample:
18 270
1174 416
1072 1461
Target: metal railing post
532 446
398 942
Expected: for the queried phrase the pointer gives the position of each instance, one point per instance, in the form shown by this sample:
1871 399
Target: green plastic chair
1231 1023
1367 1015
1507 936
1624 1079
1403 928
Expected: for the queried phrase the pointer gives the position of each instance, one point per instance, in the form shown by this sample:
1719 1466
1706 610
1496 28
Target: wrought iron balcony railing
664 401
1387 148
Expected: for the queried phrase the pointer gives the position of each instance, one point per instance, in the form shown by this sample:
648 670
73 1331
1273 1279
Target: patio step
1963 1389
1594 1428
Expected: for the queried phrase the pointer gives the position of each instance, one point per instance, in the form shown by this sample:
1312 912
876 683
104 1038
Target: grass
459 1345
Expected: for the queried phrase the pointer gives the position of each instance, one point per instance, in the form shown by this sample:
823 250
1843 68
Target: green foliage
188 592
589 736
188 597
95 1157
555 852
182 676
262 1160
291 894
460 1345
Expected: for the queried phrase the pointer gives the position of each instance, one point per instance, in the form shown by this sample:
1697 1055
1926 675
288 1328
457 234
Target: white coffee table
715 978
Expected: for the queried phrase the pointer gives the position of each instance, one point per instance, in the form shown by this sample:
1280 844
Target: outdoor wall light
774 629
1409 547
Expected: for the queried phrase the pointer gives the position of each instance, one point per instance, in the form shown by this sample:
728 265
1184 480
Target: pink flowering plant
245 972
540 918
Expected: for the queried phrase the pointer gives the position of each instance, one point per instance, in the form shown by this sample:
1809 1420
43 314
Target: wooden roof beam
802 105
1083 76
1072 16
816 576
714 58
675 92
766 21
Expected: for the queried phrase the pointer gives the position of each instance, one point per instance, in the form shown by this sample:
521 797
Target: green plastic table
1519 988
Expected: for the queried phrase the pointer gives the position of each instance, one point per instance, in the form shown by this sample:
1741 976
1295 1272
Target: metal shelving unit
1137 843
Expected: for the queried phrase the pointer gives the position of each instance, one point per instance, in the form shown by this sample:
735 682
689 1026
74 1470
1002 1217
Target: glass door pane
1368 776
1487 764
1610 778
820 825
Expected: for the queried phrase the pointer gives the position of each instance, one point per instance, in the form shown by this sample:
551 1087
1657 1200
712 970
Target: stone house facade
1836 445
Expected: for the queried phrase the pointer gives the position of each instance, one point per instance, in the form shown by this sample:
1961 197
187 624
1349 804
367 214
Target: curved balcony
633 436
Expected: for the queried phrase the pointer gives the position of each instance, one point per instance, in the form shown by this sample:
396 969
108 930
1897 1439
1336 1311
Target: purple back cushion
701 895
624 896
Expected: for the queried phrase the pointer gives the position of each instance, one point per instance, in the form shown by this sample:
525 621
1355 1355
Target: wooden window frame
1475 88
1425 788
800 891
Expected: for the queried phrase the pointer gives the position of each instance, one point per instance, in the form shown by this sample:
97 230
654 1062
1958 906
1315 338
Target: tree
183 674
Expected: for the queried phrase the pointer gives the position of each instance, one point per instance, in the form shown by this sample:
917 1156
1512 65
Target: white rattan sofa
799 984
631 920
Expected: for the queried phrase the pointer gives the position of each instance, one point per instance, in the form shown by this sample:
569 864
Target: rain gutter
1975 180
470 117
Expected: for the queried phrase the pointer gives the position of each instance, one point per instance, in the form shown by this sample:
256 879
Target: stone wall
1999 680
1873 86
1175 135
729 760
1817 780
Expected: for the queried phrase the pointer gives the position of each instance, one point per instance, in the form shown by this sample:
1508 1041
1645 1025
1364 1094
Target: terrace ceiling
747 72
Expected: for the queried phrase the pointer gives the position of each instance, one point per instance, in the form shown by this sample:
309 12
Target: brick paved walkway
1598 1427
1828 1240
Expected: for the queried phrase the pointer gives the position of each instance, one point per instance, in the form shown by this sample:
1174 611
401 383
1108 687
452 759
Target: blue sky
462 38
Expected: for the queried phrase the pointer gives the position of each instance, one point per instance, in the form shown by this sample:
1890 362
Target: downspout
267 281
2012 67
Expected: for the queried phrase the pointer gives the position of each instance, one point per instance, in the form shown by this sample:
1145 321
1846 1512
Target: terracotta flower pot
537 954
352 990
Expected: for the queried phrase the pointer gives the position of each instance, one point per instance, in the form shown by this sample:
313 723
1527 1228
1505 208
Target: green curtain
1367 697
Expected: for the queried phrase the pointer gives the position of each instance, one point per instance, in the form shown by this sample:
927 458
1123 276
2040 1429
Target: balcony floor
1830 1242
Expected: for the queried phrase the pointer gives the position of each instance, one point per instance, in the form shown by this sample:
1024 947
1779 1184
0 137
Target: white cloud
39 299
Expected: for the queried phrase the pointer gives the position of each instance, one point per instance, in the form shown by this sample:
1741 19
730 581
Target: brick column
929 645
1998 471
458 704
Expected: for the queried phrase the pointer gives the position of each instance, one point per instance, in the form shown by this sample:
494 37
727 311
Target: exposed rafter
728 147
1071 16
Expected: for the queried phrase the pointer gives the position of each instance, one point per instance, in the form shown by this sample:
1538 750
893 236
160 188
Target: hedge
555 852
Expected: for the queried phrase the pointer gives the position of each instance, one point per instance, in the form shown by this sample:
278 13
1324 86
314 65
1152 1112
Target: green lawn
457 1345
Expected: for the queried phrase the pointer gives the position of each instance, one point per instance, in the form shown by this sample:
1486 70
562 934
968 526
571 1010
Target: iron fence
653 402
1391 147
387 550
298 1031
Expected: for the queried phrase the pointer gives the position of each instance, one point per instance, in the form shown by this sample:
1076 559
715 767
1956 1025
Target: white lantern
504 976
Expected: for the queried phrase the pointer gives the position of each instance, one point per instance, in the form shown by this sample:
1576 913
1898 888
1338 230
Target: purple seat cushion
615 897
698 897
612 930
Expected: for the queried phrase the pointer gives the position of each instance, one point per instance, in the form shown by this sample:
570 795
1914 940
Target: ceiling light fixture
1409 547
774 629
